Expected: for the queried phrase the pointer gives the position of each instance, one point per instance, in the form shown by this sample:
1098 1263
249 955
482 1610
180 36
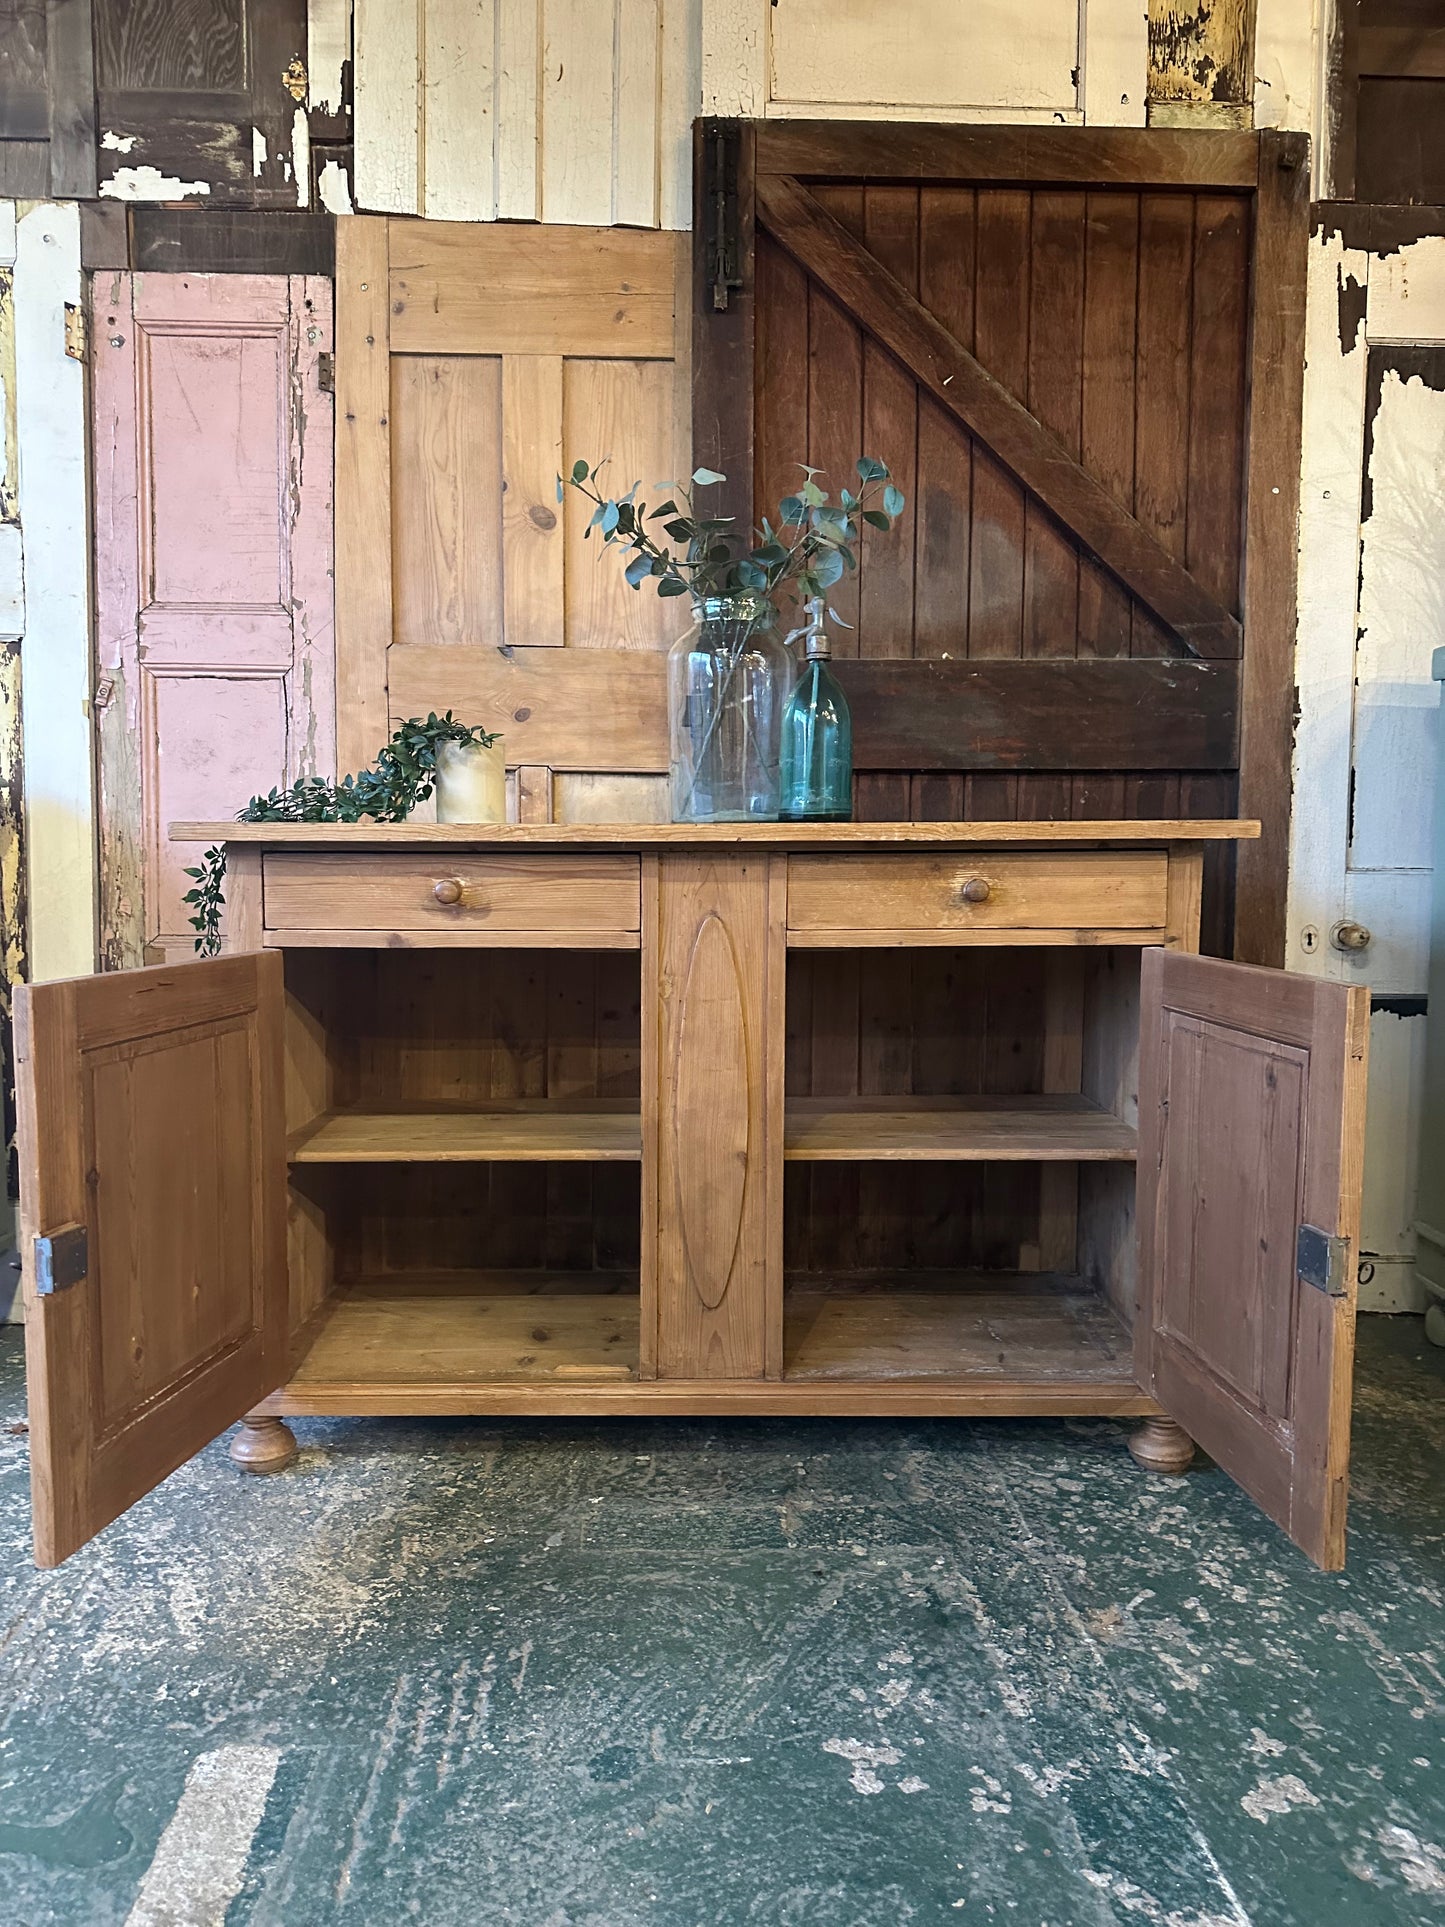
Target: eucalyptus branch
810 550
403 775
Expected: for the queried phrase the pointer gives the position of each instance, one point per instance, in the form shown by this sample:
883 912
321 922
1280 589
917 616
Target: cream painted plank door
213 555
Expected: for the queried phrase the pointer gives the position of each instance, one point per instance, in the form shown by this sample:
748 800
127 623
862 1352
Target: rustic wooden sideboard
850 1119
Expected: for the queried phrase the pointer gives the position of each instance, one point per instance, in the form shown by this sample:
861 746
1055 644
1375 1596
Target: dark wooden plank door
152 1158
1071 348
200 102
1251 1125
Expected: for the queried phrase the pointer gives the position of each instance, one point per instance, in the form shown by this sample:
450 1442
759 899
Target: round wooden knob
449 890
976 890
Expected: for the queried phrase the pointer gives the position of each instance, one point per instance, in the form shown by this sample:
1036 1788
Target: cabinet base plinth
1160 1445
263 1445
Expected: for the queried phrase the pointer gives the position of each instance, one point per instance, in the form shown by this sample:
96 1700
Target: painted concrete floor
731 1675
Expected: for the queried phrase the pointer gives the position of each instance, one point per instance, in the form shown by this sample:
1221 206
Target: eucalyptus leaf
669 585
893 499
580 472
871 470
706 477
875 518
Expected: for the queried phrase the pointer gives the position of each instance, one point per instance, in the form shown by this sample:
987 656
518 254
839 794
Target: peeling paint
1353 298
1201 50
334 189
301 156
1282 1794
149 184
259 152
117 143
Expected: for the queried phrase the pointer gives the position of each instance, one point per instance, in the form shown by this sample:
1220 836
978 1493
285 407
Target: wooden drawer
941 899
458 898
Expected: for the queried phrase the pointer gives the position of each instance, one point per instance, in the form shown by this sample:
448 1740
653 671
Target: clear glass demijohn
728 679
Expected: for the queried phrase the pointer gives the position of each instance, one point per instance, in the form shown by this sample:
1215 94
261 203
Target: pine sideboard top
641 836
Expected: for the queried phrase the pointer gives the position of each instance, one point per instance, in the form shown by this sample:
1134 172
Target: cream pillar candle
471 782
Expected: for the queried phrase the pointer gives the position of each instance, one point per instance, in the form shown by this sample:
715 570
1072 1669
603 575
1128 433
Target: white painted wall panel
55 653
573 111
925 53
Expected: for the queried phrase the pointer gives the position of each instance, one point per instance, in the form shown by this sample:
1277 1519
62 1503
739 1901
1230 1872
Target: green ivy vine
403 775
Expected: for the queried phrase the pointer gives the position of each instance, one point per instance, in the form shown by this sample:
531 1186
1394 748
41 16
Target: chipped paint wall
1371 612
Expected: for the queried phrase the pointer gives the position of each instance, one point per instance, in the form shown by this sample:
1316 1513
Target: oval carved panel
710 1111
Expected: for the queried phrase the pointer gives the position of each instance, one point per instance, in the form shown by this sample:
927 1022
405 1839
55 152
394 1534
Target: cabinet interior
464 1152
962 1137
465 1142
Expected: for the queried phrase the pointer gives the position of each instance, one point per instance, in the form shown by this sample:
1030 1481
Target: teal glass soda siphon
817 748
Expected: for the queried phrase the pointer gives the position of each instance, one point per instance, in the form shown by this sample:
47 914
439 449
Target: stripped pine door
153 1225
472 363
1251 1152
213 587
1079 352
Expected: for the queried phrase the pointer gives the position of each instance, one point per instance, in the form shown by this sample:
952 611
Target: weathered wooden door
202 103
1079 351
213 570
1251 1150
470 362
153 1226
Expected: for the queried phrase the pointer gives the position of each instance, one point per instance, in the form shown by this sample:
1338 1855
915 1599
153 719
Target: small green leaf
871 470
580 472
668 508
559 488
812 494
793 510
669 585
706 477
893 499
638 570
828 569
875 518
609 518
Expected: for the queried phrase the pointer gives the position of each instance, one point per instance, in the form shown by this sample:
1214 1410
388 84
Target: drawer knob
976 890
449 890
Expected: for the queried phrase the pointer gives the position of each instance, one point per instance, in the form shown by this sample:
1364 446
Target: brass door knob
976 890
1350 936
449 890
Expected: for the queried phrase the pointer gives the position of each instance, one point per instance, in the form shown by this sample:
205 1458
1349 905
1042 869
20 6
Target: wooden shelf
473 1328
533 1342
993 1129
524 1131
1026 1331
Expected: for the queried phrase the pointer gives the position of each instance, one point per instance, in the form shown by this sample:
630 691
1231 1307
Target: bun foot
1160 1445
263 1445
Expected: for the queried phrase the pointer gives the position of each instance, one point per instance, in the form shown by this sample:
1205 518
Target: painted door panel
213 509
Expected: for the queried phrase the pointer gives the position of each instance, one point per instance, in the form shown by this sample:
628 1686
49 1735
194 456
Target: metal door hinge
1323 1260
326 373
77 341
294 79
61 1260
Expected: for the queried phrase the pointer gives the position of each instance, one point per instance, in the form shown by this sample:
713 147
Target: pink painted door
213 446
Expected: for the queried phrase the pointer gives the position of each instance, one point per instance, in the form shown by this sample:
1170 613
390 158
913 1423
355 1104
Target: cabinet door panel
150 1124
1251 1124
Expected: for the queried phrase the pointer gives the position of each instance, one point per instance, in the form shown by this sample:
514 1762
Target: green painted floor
731 1675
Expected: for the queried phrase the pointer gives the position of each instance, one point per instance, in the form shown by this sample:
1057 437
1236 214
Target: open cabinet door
1251 1147
153 1226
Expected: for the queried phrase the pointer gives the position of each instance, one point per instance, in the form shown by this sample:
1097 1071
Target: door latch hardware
326 373
1323 1260
77 335
61 1260
721 159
